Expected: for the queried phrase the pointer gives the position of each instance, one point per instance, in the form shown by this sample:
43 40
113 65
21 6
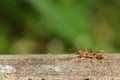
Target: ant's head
79 52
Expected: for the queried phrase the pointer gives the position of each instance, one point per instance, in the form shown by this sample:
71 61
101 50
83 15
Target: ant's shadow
99 58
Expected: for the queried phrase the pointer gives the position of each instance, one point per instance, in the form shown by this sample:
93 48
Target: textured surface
59 67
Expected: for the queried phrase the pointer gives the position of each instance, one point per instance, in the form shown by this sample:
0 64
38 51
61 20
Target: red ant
82 53
85 53
99 55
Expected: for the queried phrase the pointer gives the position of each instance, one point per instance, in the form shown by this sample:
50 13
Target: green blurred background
55 26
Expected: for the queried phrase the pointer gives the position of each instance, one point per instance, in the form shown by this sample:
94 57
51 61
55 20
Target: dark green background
55 26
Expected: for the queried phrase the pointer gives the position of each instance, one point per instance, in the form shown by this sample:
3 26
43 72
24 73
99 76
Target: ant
99 55
82 53
88 54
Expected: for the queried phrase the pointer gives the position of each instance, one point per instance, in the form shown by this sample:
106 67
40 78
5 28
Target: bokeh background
55 26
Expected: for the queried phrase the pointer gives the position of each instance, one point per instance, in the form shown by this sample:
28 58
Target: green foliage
70 23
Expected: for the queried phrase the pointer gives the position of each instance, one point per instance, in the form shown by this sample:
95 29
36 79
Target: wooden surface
59 67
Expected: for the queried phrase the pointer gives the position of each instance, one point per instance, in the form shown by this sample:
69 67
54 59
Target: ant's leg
101 62
69 57
91 61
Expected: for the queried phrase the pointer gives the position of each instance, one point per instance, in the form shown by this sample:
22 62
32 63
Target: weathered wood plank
59 67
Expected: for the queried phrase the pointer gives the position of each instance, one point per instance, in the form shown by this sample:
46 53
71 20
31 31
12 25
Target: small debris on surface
53 67
6 69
